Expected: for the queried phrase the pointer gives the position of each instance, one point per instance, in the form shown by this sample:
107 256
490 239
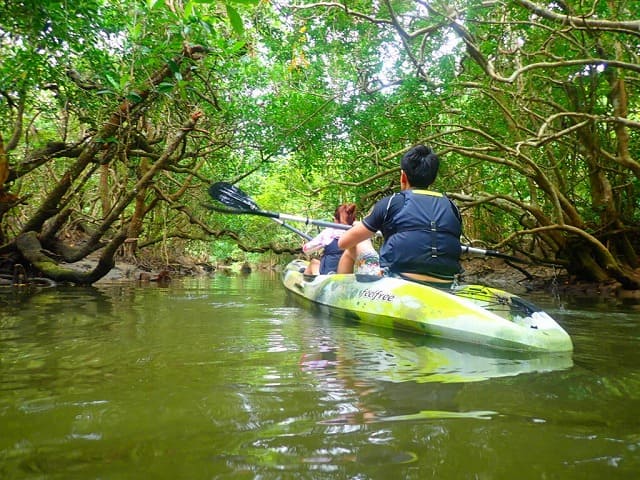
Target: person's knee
313 268
364 247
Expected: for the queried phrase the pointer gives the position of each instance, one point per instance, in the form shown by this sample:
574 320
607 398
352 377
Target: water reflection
381 356
368 361
44 303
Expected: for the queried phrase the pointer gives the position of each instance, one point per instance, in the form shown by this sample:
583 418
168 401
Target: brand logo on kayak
377 295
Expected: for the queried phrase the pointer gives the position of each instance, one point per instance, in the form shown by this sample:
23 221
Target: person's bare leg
313 268
365 246
347 260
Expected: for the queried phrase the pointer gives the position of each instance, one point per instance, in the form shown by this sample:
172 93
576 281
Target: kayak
466 313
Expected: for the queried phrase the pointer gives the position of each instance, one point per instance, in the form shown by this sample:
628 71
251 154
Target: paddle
241 203
233 197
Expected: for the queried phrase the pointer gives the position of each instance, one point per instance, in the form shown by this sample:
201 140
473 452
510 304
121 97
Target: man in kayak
421 228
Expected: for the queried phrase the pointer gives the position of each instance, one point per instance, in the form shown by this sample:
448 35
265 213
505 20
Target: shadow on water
19 297
30 313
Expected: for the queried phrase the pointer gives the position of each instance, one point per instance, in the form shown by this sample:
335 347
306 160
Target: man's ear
404 183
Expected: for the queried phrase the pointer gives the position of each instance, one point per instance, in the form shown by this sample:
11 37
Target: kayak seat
365 277
431 282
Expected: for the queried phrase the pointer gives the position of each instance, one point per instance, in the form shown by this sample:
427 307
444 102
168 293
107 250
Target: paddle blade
232 196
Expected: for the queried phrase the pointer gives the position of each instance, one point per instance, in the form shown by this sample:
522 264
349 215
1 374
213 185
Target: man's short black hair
420 164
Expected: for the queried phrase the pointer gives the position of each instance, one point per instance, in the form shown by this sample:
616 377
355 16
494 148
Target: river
227 377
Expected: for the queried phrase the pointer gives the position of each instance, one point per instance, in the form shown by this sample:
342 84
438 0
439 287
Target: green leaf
124 81
165 87
235 19
173 66
134 97
237 46
189 10
112 81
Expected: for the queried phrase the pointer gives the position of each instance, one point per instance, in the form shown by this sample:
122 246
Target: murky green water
227 378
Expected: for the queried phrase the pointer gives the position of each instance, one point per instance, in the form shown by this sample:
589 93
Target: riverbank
494 272
520 279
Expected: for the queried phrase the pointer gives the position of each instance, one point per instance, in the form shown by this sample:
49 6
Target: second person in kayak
327 241
421 228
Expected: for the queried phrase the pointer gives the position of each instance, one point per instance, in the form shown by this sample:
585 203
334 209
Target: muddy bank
521 279
516 278
494 272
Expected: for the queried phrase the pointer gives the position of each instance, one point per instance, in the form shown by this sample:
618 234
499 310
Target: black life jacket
423 236
330 258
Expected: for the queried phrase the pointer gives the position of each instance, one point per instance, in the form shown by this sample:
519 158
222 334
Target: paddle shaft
293 229
466 249
490 253
293 218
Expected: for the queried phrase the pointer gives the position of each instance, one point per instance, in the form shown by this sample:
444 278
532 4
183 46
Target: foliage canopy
115 115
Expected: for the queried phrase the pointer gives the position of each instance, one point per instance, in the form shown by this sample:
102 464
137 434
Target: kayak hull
467 313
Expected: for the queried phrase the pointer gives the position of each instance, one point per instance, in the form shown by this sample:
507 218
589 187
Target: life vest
330 258
423 236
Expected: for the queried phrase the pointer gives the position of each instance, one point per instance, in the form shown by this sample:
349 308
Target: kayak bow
467 313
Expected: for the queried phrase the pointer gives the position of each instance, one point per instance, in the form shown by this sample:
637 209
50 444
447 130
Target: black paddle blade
232 196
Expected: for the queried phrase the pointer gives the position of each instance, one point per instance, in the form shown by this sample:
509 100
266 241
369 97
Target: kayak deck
467 313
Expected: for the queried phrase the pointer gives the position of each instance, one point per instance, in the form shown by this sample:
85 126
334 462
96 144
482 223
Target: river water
227 377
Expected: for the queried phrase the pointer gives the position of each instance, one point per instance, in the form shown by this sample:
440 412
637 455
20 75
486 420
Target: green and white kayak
466 313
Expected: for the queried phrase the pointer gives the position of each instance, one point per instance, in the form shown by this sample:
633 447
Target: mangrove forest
117 115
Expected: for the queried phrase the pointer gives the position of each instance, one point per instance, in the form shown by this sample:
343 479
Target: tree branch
631 27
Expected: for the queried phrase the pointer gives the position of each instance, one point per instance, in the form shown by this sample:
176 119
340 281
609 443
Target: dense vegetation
115 115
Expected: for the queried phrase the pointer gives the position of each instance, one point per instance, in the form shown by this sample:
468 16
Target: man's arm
357 233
